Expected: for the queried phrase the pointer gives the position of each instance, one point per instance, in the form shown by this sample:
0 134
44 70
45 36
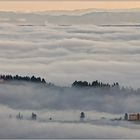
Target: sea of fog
62 54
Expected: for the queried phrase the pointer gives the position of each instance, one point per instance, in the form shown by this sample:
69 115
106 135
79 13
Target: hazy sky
63 5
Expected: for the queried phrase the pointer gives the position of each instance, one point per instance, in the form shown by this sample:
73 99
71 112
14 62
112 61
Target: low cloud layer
27 96
65 113
62 54
27 129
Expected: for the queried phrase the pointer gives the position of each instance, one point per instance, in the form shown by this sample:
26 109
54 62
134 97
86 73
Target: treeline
42 80
94 84
22 78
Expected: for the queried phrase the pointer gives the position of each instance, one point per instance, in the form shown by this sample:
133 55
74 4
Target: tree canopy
95 83
23 78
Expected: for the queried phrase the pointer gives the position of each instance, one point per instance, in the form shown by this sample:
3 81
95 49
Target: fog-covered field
64 106
62 54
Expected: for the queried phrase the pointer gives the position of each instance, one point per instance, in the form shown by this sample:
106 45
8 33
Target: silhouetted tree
82 116
43 80
19 116
34 116
126 116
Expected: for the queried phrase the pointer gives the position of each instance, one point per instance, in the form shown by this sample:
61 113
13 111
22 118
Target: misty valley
42 107
73 74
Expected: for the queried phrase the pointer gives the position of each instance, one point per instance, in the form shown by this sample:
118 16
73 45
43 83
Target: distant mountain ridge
96 17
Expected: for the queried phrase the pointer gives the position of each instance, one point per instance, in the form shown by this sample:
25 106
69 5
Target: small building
134 117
